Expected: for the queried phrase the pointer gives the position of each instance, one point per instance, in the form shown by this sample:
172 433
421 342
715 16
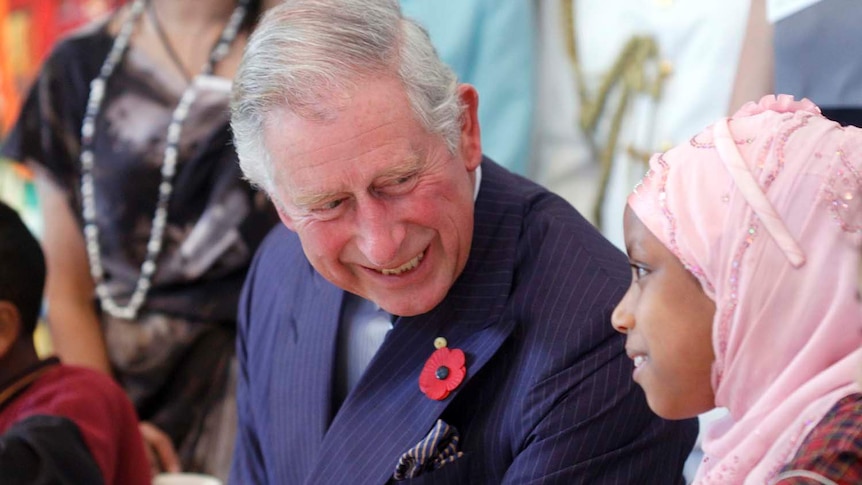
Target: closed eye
332 204
330 209
398 186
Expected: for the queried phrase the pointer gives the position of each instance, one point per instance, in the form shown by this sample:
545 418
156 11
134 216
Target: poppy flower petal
443 372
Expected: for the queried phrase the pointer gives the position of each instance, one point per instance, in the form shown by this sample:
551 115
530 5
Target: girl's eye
639 271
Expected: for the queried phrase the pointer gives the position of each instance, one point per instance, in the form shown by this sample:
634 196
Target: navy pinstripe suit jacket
548 396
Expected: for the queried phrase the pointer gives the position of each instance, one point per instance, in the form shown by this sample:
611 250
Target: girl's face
667 319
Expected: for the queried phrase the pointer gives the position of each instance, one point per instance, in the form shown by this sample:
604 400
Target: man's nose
380 235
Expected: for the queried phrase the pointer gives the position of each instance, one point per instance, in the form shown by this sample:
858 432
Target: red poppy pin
443 372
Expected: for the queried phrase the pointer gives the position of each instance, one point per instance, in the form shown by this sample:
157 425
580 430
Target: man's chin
407 306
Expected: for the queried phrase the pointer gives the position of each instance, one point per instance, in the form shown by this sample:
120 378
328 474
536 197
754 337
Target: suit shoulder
280 248
558 236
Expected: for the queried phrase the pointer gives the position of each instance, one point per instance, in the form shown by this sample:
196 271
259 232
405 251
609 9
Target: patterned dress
175 359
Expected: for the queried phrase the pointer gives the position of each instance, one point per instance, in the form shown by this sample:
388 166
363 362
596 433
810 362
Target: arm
45 450
589 421
75 329
600 430
755 70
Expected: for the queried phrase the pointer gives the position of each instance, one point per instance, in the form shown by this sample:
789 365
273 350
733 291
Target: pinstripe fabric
548 396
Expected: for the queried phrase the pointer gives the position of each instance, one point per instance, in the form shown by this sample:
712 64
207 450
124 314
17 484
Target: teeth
404 267
639 360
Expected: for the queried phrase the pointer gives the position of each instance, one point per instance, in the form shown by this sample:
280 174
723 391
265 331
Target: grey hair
307 55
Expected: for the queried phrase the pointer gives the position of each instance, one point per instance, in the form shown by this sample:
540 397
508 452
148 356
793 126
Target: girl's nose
621 318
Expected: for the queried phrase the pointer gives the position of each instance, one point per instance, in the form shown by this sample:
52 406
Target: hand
160 450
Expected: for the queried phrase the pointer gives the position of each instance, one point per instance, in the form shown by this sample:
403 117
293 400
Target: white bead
170 155
157 232
168 169
97 88
161 217
87 129
126 313
182 111
136 300
173 131
154 246
87 159
165 188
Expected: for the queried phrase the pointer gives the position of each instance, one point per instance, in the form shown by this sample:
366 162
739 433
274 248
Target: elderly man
424 314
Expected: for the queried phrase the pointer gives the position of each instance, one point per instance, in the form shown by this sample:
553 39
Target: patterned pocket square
438 448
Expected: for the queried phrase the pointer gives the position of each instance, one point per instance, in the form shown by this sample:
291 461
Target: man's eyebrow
311 200
411 164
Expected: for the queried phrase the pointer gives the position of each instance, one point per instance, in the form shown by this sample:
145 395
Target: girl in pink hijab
744 246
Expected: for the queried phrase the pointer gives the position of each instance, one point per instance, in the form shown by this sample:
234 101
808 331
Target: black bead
442 372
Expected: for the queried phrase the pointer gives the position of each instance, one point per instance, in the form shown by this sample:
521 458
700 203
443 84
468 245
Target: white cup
185 479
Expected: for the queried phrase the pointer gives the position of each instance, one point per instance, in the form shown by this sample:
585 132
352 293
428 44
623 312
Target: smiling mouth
408 266
639 360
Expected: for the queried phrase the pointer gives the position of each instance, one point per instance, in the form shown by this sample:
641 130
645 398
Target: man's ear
10 326
470 146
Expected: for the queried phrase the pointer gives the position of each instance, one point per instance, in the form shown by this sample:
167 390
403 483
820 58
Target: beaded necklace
88 206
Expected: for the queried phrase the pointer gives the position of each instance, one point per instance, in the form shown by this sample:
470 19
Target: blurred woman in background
149 227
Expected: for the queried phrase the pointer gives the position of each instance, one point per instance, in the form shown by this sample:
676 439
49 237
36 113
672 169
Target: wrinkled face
383 208
667 319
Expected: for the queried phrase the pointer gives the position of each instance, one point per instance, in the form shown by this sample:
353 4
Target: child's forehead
632 229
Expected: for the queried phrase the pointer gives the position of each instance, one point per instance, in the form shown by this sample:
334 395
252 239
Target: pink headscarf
765 209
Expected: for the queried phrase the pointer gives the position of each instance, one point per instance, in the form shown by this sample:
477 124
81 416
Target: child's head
744 245
22 273
668 319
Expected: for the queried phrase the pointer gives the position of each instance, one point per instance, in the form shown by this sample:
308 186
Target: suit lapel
303 373
386 413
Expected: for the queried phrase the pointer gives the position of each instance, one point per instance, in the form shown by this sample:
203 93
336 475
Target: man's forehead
289 137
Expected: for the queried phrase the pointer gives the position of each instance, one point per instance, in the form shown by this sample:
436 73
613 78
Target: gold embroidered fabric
637 69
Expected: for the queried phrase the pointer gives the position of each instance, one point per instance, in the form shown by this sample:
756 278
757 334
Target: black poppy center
442 372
